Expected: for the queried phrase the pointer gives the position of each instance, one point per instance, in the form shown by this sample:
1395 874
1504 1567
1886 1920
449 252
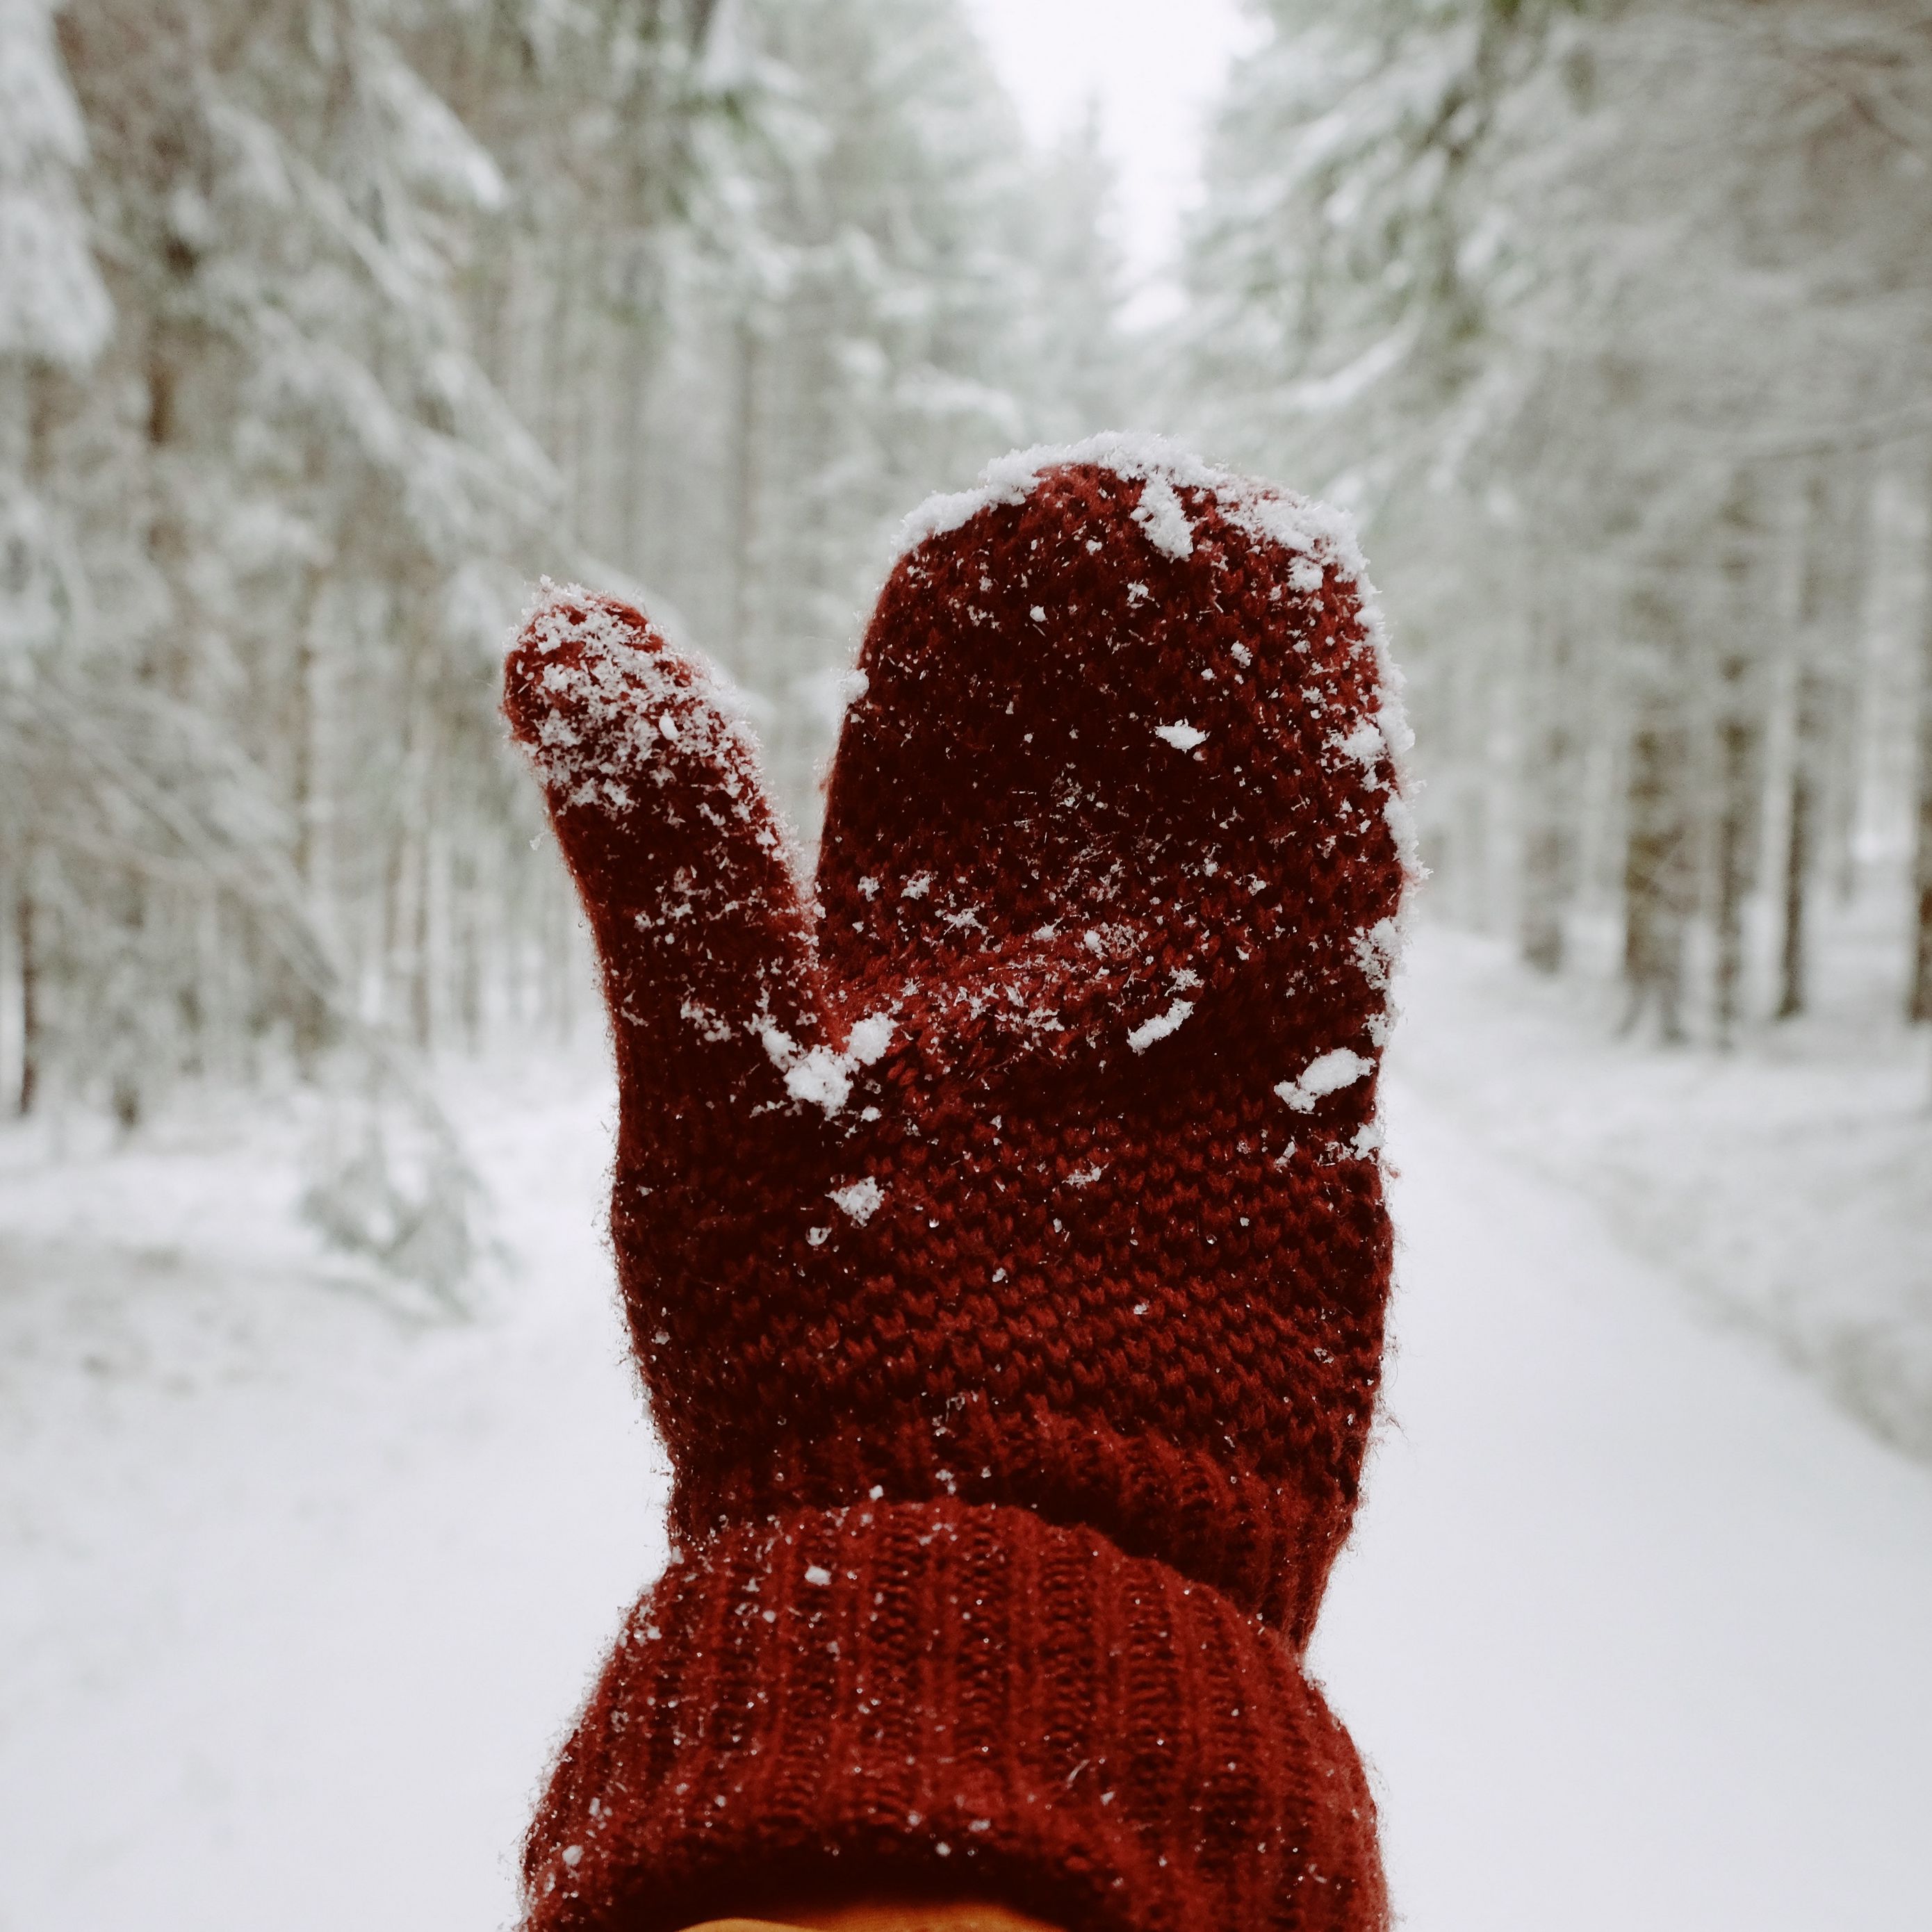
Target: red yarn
1000 1229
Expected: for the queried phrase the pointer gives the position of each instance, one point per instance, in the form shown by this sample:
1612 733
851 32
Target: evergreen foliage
1612 320
325 326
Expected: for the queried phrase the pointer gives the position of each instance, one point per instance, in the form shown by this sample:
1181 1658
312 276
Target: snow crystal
711 1026
860 1200
821 1075
1164 518
1376 952
1363 744
1160 1026
870 1038
1183 736
1328 1074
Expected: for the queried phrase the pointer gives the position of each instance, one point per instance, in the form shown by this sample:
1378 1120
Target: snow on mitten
1001 1227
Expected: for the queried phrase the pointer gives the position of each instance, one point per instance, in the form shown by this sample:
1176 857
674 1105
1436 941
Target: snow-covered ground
1788 1185
1634 1627
296 1592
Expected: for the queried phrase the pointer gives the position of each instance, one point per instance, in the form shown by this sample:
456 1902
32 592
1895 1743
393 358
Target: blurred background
328 326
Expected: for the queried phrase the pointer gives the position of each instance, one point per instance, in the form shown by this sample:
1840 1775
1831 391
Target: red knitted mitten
1001 1230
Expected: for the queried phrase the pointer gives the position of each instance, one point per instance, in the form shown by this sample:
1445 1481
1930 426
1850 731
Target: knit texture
1000 1226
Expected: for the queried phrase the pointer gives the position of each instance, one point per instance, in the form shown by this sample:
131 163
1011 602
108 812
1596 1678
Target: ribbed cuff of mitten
937 1696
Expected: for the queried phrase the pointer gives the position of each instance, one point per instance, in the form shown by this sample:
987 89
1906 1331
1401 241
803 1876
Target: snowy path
1635 1627
1634 1631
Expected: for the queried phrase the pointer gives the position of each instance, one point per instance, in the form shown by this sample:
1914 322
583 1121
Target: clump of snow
1162 514
870 1038
1328 1074
818 1075
822 1077
618 707
709 1025
1160 1026
1364 745
817 1575
860 1200
1182 736
1377 951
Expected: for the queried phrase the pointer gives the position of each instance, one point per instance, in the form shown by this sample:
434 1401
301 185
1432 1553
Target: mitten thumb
685 869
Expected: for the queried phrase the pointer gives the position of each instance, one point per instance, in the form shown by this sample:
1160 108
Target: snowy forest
327 325
1611 322
329 328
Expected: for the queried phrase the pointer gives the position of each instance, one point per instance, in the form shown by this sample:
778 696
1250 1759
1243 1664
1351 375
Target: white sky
1156 65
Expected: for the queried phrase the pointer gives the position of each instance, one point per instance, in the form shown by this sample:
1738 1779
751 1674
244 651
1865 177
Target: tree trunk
1656 873
1549 791
1800 851
1920 1005
309 1013
27 943
1739 778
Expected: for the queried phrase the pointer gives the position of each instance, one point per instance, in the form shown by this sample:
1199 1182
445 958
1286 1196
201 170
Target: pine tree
412 300
54 316
1527 283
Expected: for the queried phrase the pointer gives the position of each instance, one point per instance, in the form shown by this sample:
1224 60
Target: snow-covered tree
52 307
313 518
1608 316
54 316
411 300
